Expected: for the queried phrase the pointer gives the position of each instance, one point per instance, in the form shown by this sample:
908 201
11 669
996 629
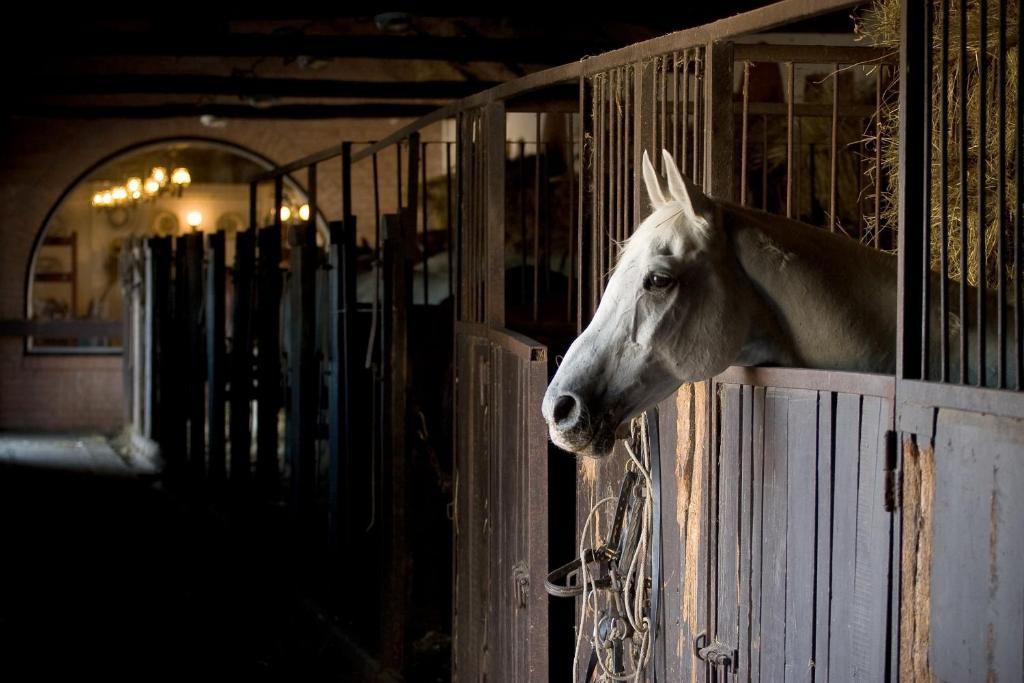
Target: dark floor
104 572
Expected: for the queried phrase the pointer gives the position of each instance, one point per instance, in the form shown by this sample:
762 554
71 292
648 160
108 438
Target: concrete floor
104 572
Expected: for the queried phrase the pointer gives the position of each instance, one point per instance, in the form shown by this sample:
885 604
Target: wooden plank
194 321
241 357
536 494
718 127
494 231
304 386
823 534
757 530
216 359
802 446
844 533
728 487
868 617
396 597
268 359
918 494
773 577
746 496
978 548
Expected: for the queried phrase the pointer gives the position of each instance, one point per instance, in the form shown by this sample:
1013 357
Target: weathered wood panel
501 528
811 584
977 548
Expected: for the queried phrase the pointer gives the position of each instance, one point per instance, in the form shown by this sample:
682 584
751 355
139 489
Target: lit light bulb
304 212
194 219
181 177
97 199
151 186
286 213
133 185
108 198
159 174
119 193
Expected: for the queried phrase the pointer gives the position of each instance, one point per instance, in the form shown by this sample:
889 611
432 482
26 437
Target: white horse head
676 309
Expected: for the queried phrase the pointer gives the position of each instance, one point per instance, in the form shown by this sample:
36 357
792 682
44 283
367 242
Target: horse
702 285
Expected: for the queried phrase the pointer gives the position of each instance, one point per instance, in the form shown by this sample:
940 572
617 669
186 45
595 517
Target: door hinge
716 654
892 499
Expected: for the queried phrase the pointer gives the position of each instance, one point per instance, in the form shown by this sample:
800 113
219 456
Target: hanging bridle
607 568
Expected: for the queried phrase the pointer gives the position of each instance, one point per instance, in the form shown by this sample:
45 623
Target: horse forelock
664 223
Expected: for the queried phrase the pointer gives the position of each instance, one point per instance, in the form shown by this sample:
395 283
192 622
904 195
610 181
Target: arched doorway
73 271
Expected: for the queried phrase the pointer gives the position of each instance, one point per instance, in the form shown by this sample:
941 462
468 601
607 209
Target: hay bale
880 25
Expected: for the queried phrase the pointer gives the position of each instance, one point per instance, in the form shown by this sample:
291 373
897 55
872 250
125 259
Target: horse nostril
565 407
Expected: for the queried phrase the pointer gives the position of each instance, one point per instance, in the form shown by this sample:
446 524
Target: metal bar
944 199
964 69
216 359
683 161
571 170
303 409
790 96
523 261
600 133
241 356
661 66
536 220
196 396
278 201
912 184
268 359
744 131
253 220
833 152
698 98
1018 234
581 251
877 237
1001 203
311 194
814 54
448 216
61 328
982 186
494 153
675 106
764 163
426 226
926 197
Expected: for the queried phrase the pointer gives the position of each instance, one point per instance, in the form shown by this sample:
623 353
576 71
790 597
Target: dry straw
880 25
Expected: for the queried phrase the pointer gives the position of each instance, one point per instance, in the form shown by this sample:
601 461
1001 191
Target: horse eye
657 281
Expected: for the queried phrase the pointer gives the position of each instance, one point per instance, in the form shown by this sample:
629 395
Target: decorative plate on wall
230 222
165 224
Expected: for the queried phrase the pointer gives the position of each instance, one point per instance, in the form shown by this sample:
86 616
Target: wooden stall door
501 527
799 543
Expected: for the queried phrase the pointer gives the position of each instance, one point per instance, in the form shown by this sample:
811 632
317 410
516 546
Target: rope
635 593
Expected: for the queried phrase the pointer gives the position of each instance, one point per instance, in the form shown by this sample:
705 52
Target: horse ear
681 191
653 184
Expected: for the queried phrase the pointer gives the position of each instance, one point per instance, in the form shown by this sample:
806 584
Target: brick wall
41 159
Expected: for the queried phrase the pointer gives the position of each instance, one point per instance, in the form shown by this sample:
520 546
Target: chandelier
136 189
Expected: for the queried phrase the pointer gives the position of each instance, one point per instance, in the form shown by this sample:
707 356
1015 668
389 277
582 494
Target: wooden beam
229 111
242 86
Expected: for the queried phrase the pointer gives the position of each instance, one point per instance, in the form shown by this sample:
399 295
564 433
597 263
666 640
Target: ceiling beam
245 86
528 51
228 111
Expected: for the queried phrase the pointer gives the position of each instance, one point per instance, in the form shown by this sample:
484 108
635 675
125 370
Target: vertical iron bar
426 226
912 184
982 189
661 65
790 97
675 106
745 123
964 70
1018 235
877 237
570 158
448 215
278 200
926 198
536 220
311 195
833 154
522 222
764 162
1001 204
684 124
253 217
944 199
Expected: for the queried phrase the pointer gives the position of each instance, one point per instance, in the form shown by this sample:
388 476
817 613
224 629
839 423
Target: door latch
716 654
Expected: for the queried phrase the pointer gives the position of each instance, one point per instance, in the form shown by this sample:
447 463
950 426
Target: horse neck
830 302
